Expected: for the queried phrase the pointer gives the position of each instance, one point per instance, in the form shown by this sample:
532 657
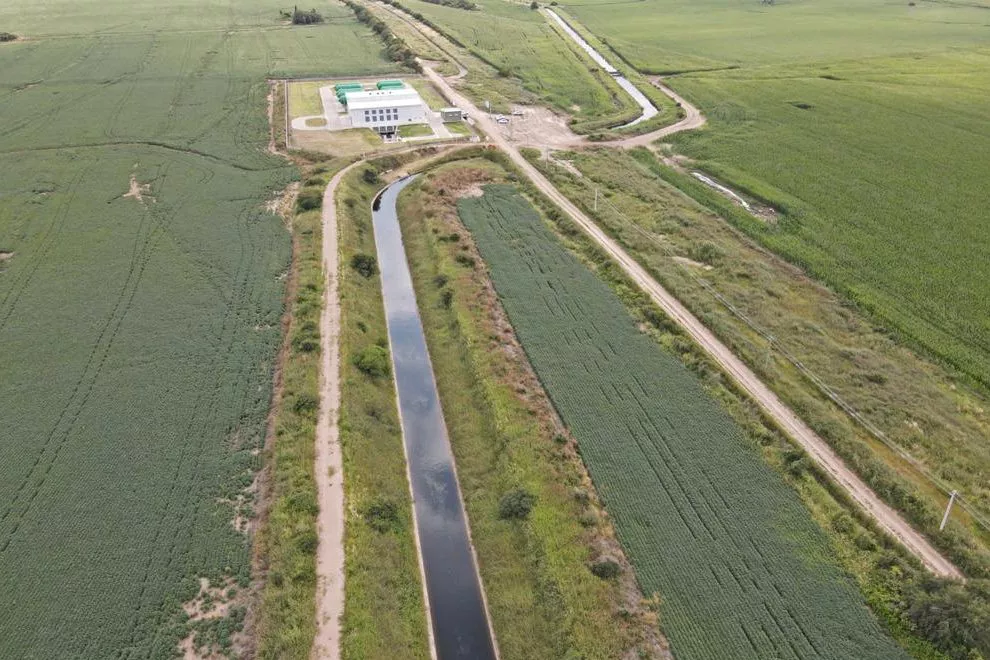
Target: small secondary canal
456 603
649 110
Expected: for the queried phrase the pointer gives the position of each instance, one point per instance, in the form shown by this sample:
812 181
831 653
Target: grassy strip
384 615
897 389
286 618
543 599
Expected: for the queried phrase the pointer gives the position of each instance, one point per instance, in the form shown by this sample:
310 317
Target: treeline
456 4
503 71
395 48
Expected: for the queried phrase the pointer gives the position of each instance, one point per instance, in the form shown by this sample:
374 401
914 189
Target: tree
534 5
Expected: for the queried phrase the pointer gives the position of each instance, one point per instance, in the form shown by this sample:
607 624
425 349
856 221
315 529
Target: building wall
388 116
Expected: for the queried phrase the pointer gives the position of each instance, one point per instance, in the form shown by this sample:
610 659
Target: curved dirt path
693 117
888 519
329 464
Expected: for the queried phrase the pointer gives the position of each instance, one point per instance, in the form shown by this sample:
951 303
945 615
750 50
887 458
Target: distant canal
649 110
457 609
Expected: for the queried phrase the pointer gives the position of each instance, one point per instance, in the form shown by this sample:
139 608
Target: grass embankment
384 615
286 544
669 112
544 600
920 407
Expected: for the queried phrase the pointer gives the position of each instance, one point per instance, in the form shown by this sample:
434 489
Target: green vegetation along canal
456 603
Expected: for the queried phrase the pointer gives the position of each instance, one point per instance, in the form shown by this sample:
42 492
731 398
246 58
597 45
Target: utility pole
945 518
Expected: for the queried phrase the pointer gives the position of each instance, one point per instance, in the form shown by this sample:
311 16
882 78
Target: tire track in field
144 246
49 239
205 411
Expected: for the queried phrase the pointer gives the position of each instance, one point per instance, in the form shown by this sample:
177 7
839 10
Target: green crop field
740 569
865 123
520 42
140 301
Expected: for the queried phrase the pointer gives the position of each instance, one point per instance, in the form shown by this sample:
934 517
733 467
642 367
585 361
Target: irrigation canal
649 110
456 603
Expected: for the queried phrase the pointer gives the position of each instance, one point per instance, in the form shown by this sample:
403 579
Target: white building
384 110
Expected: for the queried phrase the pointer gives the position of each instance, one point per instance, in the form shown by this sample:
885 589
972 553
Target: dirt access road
817 448
551 130
329 464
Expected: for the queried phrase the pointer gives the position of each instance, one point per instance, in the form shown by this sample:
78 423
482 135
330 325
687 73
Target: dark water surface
457 610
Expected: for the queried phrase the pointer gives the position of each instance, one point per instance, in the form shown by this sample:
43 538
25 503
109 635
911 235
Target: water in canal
456 603
649 110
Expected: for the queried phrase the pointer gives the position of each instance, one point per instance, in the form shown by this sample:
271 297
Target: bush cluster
456 4
373 361
309 199
516 504
303 17
365 264
7 36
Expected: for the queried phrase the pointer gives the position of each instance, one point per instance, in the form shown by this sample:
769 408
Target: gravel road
817 448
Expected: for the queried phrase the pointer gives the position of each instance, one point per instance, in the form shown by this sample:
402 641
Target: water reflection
460 625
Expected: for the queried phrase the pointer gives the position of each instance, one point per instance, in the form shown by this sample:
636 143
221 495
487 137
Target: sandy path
817 448
329 464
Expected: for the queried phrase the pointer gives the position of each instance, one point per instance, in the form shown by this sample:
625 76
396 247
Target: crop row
740 568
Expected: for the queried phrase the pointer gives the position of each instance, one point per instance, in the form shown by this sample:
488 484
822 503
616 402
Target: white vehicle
517 113
502 120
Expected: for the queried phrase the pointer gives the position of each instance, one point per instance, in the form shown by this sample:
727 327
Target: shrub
373 361
309 199
381 514
707 253
516 504
370 177
305 17
7 36
955 617
446 298
305 403
465 260
534 5
364 264
606 569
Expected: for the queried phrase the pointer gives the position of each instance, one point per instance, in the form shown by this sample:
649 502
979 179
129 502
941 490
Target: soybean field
740 568
141 285
864 123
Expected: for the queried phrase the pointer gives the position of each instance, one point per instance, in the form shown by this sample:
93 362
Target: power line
816 380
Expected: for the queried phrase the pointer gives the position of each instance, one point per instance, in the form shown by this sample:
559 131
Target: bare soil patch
138 191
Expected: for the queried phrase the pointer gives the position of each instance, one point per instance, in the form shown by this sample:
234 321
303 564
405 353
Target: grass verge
384 615
286 546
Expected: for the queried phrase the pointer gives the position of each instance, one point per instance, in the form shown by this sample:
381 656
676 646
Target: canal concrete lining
460 627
